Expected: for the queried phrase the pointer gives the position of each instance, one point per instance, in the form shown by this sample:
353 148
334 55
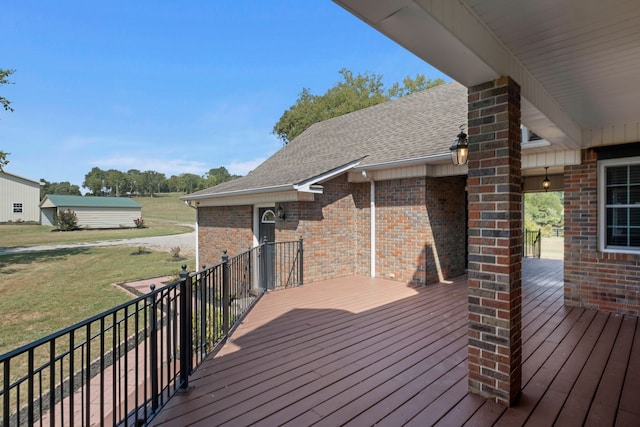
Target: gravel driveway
186 241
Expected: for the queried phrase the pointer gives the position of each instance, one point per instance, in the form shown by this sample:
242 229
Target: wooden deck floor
359 351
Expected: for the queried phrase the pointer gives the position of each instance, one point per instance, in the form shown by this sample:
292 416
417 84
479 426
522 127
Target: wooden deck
360 351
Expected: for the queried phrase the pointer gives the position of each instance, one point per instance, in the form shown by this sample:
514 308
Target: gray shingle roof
414 126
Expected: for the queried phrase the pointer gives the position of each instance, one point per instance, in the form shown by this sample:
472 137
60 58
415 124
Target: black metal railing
120 367
532 243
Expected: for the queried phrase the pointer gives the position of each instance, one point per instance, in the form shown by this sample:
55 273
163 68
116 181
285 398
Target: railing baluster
153 347
52 382
102 371
6 389
225 293
30 387
114 355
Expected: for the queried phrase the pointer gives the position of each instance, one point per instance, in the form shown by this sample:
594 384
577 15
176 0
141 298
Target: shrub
139 222
66 220
175 252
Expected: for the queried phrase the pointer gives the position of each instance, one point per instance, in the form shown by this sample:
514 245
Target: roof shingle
418 125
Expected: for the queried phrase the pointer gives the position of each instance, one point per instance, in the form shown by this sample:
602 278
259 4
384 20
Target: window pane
616 236
634 217
634 237
616 217
617 175
617 195
634 174
634 194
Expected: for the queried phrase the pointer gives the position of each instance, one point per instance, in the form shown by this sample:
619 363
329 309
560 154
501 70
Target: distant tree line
114 183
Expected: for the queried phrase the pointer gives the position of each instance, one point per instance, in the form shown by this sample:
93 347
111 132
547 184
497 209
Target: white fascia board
257 199
310 183
249 191
433 159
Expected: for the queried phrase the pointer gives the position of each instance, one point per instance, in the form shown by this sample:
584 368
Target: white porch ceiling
577 61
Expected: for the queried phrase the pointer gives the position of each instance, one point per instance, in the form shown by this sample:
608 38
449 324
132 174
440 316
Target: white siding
48 216
17 190
94 217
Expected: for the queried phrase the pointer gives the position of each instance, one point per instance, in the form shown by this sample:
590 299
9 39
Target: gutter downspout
188 203
372 221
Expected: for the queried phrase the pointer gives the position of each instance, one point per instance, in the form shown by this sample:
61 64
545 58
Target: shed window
17 208
619 205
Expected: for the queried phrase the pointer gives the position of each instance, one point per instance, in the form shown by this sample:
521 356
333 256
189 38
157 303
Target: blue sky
171 86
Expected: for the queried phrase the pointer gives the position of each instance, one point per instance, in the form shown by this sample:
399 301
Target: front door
267 230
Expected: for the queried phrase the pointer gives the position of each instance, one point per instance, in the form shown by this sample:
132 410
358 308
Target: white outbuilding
92 212
19 199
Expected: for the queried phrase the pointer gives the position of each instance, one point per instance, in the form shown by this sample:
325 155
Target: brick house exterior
336 225
607 281
416 195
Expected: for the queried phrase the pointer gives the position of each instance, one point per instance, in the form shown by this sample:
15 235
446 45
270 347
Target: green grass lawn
166 207
41 293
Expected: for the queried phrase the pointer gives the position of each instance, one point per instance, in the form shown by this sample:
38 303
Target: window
619 205
268 217
17 208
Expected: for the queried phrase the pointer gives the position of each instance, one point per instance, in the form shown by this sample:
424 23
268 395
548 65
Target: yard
42 292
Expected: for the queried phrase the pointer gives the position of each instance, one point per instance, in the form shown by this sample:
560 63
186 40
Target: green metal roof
86 202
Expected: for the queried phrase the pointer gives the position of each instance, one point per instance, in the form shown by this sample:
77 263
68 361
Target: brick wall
495 240
446 209
224 228
420 225
328 226
592 279
410 214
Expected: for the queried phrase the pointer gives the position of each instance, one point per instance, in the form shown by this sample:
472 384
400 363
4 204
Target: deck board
359 351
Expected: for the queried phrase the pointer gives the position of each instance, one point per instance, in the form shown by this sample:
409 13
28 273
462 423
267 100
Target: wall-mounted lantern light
280 212
546 184
460 149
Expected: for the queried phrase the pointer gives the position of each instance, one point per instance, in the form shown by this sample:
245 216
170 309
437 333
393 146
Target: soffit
576 61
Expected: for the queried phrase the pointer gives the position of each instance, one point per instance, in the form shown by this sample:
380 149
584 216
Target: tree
3 160
115 182
59 188
4 74
94 181
217 176
189 182
151 181
544 211
351 94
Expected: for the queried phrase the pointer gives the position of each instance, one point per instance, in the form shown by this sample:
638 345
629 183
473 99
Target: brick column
495 240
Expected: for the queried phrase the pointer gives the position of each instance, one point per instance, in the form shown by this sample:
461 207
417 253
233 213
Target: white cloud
243 168
144 163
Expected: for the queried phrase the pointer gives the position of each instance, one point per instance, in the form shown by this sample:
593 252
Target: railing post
301 261
264 276
186 349
153 357
203 312
225 293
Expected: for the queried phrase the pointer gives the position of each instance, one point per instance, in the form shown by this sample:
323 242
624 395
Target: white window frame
602 206
18 208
